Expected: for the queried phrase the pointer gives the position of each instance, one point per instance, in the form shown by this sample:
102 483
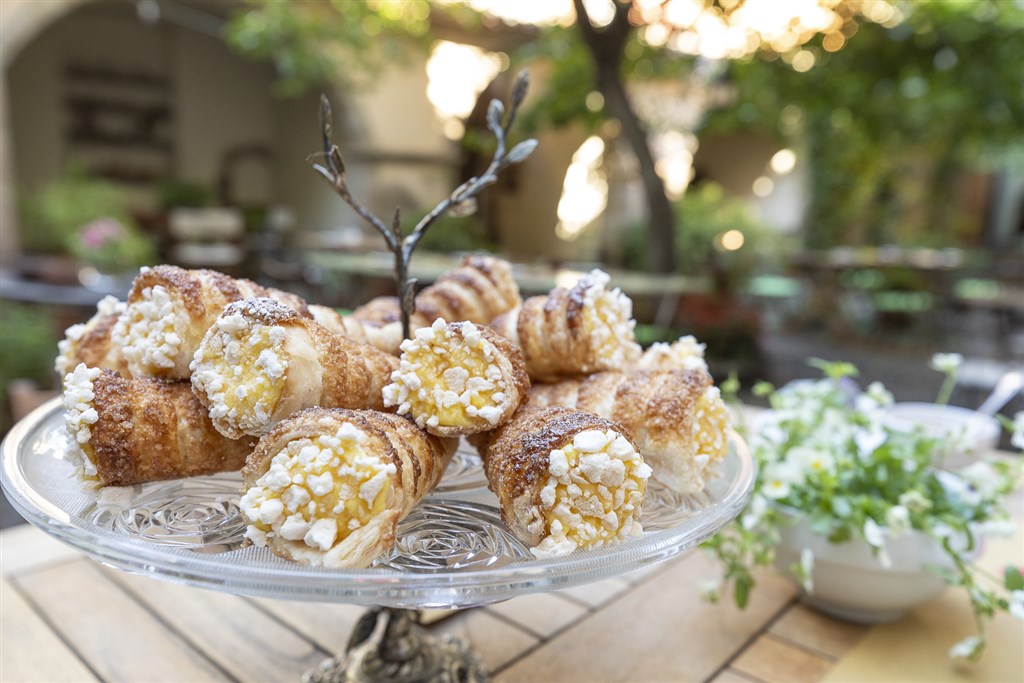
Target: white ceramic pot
850 582
963 431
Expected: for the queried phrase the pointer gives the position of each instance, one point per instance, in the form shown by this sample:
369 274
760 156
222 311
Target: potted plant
859 515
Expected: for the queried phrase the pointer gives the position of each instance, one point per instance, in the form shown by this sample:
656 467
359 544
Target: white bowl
964 431
851 583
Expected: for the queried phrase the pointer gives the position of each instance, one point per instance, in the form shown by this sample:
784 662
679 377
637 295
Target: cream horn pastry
677 417
90 342
129 431
261 361
385 336
685 353
379 311
328 487
566 479
169 310
479 290
575 331
457 379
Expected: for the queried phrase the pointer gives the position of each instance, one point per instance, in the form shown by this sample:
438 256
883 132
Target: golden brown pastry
566 479
169 310
329 487
387 336
457 379
677 417
576 331
90 342
379 311
685 353
479 290
129 431
261 361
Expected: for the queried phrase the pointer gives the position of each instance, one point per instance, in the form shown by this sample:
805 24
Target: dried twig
461 200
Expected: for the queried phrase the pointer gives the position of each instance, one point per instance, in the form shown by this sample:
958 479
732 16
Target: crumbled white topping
107 306
287 499
611 316
600 501
686 353
150 331
415 381
80 413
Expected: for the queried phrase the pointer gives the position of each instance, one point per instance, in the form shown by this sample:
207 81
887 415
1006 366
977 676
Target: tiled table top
64 617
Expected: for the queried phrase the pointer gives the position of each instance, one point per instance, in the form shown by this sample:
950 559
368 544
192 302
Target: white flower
1017 604
983 477
966 648
778 478
915 501
957 488
755 511
869 439
1017 437
816 460
876 539
877 392
1002 528
946 362
708 589
897 518
807 570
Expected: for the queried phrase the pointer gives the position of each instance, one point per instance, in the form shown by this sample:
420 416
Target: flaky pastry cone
387 336
129 431
566 479
261 361
170 309
685 353
457 379
90 342
329 487
574 331
479 290
677 417
380 310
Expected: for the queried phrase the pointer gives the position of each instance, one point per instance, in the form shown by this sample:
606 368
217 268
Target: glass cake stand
453 549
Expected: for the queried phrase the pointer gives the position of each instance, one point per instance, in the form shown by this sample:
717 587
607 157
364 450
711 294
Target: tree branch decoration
461 202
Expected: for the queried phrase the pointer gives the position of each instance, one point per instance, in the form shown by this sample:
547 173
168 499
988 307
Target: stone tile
814 631
773 660
496 642
597 593
658 631
541 613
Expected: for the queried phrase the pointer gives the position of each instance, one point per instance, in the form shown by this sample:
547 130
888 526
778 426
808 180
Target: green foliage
452 233
89 218
340 41
833 461
28 343
50 217
887 121
704 214
173 193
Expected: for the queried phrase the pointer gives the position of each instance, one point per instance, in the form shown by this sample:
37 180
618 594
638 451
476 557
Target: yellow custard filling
447 377
710 423
593 494
240 366
318 490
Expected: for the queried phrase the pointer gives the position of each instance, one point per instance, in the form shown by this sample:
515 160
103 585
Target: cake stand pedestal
386 645
452 551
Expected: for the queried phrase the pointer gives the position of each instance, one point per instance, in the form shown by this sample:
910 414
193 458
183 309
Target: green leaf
1012 579
741 590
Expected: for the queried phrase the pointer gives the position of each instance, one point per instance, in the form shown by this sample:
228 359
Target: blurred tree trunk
606 48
